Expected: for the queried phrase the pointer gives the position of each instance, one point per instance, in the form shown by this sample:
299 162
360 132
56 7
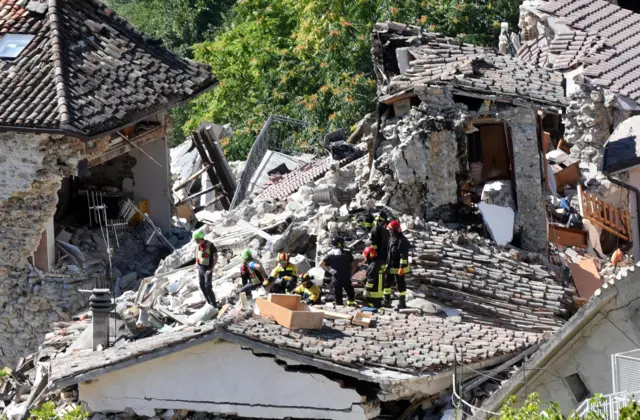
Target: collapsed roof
471 70
601 36
79 69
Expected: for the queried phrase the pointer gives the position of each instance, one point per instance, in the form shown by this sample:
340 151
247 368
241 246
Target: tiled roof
470 68
602 36
535 52
313 171
408 342
87 71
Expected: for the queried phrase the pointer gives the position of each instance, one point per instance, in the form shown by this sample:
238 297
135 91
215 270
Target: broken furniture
289 311
566 170
564 236
608 217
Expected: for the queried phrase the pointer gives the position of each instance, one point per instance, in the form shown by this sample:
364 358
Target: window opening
11 45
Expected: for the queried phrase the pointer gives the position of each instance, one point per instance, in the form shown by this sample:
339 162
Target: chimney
100 304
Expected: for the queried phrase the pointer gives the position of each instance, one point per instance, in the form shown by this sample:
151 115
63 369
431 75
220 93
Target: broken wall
532 219
31 169
418 164
151 181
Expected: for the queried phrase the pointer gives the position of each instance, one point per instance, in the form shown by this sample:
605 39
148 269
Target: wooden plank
586 277
561 235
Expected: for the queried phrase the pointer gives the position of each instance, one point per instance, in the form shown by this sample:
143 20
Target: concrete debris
499 221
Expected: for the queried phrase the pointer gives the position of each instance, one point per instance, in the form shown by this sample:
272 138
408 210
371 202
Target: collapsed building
467 144
83 100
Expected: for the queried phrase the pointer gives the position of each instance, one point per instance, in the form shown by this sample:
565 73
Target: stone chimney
100 304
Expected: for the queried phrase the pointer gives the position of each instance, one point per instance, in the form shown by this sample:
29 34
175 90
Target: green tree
178 23
311 59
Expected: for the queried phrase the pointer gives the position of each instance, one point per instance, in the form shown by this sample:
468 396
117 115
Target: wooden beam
191 178
121 149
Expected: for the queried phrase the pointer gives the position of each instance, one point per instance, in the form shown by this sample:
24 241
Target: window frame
5 37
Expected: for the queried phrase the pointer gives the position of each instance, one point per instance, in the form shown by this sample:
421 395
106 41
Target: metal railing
273 136
608 406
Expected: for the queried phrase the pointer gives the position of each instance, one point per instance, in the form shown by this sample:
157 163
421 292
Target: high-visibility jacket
398 254
310 294
280 272
380 237
375 280
204 254
254 270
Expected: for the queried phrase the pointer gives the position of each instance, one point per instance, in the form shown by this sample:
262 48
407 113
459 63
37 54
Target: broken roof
622 150
86 71
603 37
471 70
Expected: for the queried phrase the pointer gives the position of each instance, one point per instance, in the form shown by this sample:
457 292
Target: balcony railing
607 406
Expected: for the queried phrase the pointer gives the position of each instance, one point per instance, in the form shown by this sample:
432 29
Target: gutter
542 357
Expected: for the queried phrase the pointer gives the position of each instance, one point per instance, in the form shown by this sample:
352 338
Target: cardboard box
289 311
364 319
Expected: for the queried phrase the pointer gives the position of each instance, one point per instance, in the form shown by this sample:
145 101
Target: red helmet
369 253
395 226
283 257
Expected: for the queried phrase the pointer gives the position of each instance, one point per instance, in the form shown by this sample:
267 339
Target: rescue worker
373 291
252 272
206 259
380 237
340 263
397 264
365 221
284 277
308 291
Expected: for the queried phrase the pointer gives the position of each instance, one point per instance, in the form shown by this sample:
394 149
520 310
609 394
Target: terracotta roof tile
87 70
606 56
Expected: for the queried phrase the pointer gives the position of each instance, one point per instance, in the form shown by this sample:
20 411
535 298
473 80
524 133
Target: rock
203 314
499 221
128 280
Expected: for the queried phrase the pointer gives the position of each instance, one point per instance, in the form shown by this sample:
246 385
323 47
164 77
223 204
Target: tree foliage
179 23
311 60
307 59
531 410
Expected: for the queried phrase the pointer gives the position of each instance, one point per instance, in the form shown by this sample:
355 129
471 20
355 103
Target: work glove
265 283
286 278
332 271
401 271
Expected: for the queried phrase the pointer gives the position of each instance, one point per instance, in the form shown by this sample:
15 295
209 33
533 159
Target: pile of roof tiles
446 61
403 341
486 282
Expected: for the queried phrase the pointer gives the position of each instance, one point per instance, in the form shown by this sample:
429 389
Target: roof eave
70 131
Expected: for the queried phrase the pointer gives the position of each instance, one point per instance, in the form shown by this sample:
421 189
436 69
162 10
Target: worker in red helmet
283 278
397 264
373 292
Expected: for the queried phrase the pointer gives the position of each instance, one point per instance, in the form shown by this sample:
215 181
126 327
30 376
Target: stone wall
419 163
532 220
31 169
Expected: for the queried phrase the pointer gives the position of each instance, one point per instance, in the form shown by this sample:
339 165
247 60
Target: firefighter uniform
308 293
397 266
380 242
284 278
374 285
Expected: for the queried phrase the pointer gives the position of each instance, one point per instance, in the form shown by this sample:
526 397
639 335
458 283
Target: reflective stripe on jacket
203 254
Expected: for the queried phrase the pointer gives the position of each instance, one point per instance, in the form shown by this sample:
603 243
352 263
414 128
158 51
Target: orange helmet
283 257
369 253
395 226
